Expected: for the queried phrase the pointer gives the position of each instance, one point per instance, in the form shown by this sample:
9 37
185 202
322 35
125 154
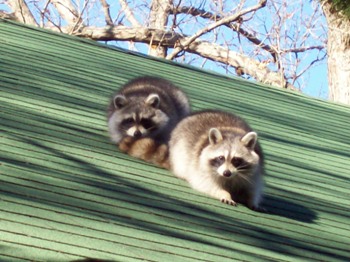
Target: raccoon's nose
227 173
137 134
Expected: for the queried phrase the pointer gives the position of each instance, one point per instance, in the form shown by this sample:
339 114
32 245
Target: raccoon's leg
255 195
253 205
210 187
253 201
148 150
161 156
225 197
142 148
126 143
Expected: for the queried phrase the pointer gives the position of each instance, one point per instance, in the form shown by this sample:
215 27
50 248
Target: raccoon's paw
228 201
143 148
163 150
161 156
126 143
225 197
166 164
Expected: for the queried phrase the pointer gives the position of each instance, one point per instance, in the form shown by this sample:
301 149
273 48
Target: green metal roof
67 193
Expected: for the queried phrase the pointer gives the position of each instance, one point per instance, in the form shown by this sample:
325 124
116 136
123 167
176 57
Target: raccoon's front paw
225 197
228 201
126 143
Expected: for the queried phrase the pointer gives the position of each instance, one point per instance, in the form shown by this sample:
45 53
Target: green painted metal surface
67 193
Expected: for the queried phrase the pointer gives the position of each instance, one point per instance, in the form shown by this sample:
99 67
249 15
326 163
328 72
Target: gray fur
218 154
155 99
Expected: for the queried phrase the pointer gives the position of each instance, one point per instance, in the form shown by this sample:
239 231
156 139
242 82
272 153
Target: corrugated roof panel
67 193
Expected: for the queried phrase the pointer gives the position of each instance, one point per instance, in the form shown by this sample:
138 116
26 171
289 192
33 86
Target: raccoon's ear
119 101
153 100
249 140
215 136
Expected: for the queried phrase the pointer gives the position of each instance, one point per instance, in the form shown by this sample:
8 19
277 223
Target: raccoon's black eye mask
128 121
217 161
147 123
238 162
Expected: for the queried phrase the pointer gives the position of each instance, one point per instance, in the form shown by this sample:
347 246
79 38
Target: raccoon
219 154
142 114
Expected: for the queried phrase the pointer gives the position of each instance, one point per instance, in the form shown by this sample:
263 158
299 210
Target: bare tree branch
251 37
124 33
194 12
79 21
43 12
302 49
259 71
308 67
223 21
129 14
107 13
11 16
22 12
214 17
68 12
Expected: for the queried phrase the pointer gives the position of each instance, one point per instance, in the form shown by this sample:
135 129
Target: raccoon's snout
137 134
227 173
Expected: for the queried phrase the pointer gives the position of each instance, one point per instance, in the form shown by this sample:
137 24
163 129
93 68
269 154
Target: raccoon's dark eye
217 161
221 158
237 161
147 123
128 121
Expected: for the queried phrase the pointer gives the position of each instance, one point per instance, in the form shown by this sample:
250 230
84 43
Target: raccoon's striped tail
146 149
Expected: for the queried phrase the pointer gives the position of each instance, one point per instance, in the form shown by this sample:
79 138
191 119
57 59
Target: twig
79 20
225 20
214 17
302 49
43 12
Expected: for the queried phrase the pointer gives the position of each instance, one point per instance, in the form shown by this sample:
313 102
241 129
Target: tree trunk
338 49
22 12
158 20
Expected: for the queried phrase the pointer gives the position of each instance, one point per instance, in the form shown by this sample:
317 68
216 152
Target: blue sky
317 85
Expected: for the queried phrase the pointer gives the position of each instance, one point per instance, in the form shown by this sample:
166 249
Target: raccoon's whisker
246 179
244 166
242 170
